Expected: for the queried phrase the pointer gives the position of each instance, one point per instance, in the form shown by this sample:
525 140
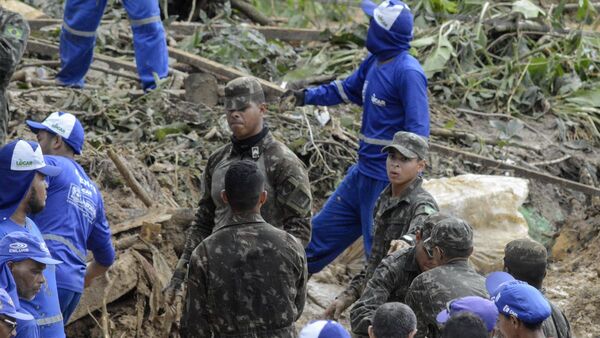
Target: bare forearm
93 271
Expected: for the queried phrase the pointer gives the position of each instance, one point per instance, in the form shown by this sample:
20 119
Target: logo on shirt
376 101
18 247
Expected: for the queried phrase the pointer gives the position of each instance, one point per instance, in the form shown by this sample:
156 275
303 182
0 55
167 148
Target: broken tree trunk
251 12
124 275
129 178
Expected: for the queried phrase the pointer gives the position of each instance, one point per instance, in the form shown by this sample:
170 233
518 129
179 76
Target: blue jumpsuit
391 87
78 38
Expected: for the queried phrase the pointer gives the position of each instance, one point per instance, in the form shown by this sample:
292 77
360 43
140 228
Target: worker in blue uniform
74 220
23 173
391 87
78 38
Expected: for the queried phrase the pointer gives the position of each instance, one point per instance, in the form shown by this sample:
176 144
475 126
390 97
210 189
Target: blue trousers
68 301
347 214
78 38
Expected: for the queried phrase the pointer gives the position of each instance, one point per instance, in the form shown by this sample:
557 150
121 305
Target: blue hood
13 188
386 44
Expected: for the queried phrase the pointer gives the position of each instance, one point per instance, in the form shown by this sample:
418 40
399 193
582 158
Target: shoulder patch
13 31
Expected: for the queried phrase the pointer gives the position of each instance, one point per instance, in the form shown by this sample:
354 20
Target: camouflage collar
405 196
243 218
255 151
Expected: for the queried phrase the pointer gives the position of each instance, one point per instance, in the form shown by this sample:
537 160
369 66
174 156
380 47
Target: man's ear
224 197
421 165
10 265
370 330
263 108
418 236
262 198
412 334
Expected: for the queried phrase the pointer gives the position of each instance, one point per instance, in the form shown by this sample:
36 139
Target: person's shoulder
218 155
277 151
408 64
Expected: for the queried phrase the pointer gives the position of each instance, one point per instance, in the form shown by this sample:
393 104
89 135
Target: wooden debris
129 178
251 12
156 215
517 170
187 28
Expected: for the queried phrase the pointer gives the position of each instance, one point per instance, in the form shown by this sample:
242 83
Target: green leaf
450 124
587 98
527 8
436 62
423 42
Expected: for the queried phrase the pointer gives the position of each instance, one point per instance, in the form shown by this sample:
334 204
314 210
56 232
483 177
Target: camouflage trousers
3 118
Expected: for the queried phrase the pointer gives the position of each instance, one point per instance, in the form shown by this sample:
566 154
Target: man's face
45 139
247 122
7 330
423 260
29 276
37 194
400 169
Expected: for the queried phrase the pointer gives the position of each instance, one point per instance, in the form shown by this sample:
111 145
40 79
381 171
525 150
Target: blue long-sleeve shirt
74 221
393 95
44 307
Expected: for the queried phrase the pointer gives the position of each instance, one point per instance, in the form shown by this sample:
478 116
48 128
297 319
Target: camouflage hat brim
402 150
240 102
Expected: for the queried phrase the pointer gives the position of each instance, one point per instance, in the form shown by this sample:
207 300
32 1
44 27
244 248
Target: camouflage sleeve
294 198
419 300
300 300
13 38
201 228
376 293
194 320
421 212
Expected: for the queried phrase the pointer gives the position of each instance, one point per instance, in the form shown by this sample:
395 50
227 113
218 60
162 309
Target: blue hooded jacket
390 85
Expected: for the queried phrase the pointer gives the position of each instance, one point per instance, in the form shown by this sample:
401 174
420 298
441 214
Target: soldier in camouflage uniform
526 260
393 277
400 210
247 279
287 184
14 32
450 245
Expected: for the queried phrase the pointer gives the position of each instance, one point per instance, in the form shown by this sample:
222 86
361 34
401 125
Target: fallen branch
251 12
463 135
129 178
518 171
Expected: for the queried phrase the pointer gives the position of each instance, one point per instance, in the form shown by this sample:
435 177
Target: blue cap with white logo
324 329
20 245
517 298
64 124
7 307
391 15
19 161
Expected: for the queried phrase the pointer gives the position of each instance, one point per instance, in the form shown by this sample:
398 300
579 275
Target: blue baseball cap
20 245
19 161
391 15
7 307
517 298
483 308
64 124
324 329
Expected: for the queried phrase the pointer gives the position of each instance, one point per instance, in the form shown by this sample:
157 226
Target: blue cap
391 15
7 307
19 161
64 124
20 245
517 298
324 329
483 308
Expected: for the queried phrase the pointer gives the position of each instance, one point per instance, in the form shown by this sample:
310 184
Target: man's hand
173 290
339 304
93 271
291 99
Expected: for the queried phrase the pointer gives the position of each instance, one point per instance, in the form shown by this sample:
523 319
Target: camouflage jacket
430 292
246 280
394 217
289 200
14 32
557 325
389 283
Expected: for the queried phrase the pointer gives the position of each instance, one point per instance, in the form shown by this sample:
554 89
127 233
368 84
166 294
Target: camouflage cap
409 144
451 233
525 251
241 91
429 223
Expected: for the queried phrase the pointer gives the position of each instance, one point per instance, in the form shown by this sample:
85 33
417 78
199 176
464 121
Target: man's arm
13 39
413 94
194 321
417 298
100 243
300 300
376 293
340 91
292 190
420 213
